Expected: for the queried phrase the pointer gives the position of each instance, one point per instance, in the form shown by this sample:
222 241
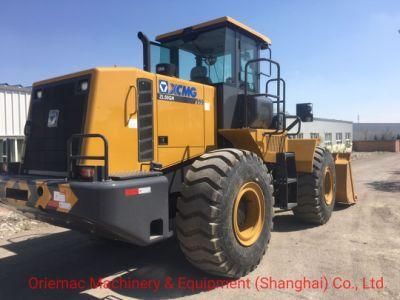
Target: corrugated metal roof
15 87
333 120
14 107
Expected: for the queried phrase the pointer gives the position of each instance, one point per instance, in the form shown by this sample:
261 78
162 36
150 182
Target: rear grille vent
53 118
145 120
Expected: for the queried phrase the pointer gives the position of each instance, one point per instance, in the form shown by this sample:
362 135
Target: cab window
207 57
248 51
158 55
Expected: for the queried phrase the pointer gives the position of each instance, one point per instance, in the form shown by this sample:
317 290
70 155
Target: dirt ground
355 256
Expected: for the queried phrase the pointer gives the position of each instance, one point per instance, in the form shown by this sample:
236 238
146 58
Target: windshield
207 57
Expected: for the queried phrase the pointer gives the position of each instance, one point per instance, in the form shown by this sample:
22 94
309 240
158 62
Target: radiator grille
46 144
145 120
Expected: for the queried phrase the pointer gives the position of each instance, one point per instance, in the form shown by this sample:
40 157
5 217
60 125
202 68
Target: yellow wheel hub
248 214
328 186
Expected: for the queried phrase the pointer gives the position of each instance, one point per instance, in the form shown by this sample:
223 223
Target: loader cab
213 53
223 53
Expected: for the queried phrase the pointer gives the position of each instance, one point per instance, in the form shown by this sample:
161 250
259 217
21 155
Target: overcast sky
344 56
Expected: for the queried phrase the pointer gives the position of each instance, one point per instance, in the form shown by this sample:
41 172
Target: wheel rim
328 186
248 214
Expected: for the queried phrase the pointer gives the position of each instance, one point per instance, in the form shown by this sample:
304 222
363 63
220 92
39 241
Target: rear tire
218 231
316 191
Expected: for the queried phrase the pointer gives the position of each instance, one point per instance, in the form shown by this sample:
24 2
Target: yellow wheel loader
196 144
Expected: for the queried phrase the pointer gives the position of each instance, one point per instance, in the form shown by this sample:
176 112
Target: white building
14 106
336 135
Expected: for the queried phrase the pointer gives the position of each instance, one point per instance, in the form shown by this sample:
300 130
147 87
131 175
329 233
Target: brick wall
369 146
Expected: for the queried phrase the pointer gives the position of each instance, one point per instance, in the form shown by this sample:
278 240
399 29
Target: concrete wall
370 146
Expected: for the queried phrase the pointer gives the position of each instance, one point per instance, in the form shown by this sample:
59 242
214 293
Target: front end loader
196 144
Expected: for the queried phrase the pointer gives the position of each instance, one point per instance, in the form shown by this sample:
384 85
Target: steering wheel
229 80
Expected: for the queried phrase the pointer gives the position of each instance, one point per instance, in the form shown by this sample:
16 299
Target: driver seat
199 74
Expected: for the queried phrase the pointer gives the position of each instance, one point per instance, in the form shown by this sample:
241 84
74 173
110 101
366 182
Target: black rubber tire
311 207
204 217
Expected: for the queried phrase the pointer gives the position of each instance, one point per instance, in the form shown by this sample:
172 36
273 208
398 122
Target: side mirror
305 112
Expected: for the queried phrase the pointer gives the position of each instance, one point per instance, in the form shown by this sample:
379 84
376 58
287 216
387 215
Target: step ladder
285 180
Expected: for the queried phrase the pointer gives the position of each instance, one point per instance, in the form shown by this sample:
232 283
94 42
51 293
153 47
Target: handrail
128 115
71 157
278 71
279 101
294 123
279 81
270 67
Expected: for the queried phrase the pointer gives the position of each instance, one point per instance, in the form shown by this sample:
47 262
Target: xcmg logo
166 87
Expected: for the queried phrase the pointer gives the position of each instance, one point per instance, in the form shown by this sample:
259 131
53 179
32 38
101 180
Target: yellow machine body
112 112
191 128
267 145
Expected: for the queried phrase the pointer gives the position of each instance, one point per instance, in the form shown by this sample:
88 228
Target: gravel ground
12 222
360 245
363 155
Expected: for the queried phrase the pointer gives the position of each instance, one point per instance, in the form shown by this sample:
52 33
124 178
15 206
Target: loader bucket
344 179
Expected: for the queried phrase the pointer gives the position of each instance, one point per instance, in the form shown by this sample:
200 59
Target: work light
84 85
39 94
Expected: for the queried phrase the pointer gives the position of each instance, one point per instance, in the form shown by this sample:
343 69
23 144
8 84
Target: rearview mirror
305 112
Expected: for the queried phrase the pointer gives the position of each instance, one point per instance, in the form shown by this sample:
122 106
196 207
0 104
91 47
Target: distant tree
388 134
398 136
366 135
375 137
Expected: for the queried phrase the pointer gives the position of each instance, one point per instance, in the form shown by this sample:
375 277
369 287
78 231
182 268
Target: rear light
86 172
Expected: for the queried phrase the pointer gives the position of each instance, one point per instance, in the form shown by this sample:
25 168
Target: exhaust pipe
146 51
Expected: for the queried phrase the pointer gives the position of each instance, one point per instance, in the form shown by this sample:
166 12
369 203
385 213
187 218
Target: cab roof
220 22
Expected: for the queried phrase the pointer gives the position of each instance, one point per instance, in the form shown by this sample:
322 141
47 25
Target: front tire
316 191
224 217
